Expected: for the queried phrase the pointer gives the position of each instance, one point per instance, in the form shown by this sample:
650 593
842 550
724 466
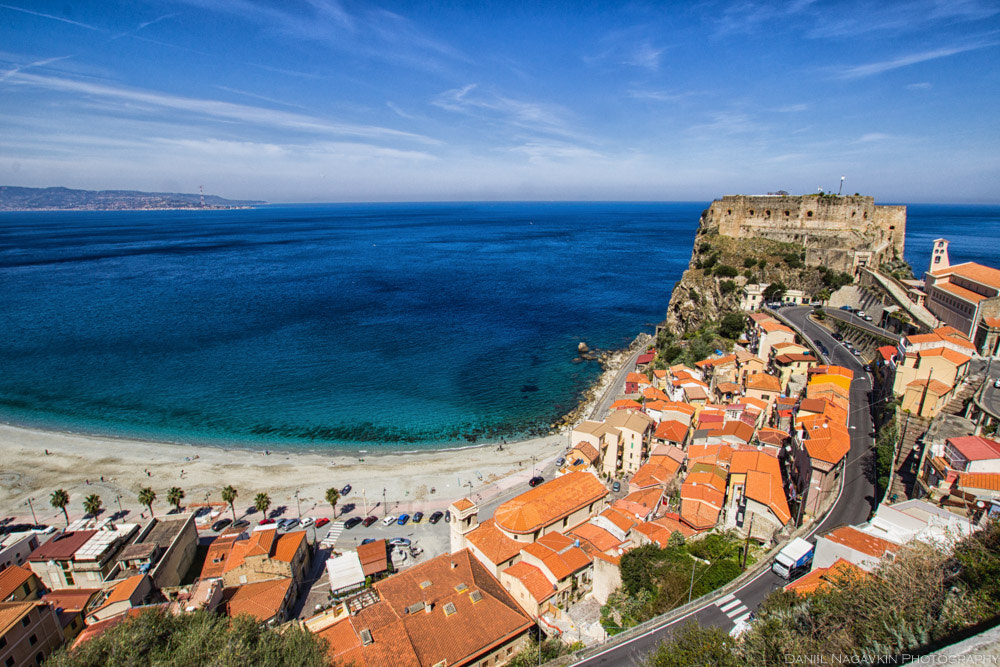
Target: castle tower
464 520
939 257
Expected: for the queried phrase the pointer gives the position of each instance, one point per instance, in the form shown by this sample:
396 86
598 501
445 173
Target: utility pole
840 189
298 504
385 507
691 587
32 507
118 497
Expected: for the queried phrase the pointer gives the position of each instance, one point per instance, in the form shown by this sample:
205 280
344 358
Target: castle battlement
844 233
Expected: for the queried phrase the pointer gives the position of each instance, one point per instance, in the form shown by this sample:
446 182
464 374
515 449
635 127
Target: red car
369 521
322 522
264 522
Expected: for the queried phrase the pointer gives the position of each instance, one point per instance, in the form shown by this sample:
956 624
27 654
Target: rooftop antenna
201 189
841 185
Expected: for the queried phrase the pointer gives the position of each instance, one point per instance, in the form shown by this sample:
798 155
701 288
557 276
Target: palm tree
332 496
146 497
262 502
175 495
59 499
92 505
229 496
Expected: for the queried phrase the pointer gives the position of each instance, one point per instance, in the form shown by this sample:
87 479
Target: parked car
436 517
855 352
997 383
350 523
837 335
265 522
447 516
388 520
868 318
291 523
308 521
368 540
322 521
344 491
220 524
846 308
418 517
561 460
403 518
242 523
535 481
369 520
399 542
44 530
861 313
868 368
616 487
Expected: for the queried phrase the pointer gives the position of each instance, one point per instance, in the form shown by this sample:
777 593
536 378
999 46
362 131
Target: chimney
454 565
428 606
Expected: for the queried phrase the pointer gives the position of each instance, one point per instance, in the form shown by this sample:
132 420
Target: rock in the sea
582 347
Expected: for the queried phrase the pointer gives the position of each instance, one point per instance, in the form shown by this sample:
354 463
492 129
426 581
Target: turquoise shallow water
361 326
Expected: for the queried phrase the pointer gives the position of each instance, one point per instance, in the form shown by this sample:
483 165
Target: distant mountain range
27 199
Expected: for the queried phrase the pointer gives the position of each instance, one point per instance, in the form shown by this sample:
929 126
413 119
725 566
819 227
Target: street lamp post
32 507
118 497
298 504
385 508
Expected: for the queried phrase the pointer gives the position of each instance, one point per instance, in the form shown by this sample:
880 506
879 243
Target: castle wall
840 232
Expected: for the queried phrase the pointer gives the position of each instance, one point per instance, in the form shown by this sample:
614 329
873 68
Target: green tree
229 494
824 295
332 496
146 497
92 505
59 499
726 271
157 637
175 495
262 502
696 645
774 291
732 325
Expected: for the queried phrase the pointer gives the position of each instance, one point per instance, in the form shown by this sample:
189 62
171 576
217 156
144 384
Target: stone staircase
956 406
907 457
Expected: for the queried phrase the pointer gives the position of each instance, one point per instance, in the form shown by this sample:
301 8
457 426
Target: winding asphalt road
853 505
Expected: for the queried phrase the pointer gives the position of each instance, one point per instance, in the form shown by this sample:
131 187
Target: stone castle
843 233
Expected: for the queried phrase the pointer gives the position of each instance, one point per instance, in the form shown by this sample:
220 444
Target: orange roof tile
727 388
262 600
773 326
587 451
824 577
124 590
761 405
657 534
973 271
492 543
772 436
763 481
12 578
951 355
979 480
961 292
672 522
463 504
655 473
992 322
536 583
660 373
935 387
621 519
712 453
601 539
638 378
654 394
557 553
671 430
736 429
547 503
288 545
826 440
852 538
625 404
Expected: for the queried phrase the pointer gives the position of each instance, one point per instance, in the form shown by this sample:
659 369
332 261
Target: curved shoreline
37 461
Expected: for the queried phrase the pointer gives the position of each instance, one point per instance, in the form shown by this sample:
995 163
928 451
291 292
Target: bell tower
464 520
939 256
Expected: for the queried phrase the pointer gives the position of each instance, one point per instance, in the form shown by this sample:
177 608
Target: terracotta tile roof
763 481
672 522
695 393
736 429
625 404
671 430
987 481
601 539
753 401
463 504
70 599
773 326
215 560
833 370
547 503
261 542
374 557
587 451
657 534
654 394
637 378
935 387
641 503
62 546
558 554
992 322
478 624
262 600
702 496
762 317
621 519
125 590
12 578
12 612
710 453
825 577
710 420
853 538
772 436
727 388
341 640
975 272
676 453
975 447
826 440
961 292
492 543
816 405
888 352
660 373
534 580
645 358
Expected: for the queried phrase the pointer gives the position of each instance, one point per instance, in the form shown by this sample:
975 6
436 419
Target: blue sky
326 101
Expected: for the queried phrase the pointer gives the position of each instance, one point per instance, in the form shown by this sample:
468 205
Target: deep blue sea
352 325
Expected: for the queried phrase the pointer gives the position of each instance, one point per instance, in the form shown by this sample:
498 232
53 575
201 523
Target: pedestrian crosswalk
733 607
336 528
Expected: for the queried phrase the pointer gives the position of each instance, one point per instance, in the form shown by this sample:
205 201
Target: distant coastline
19 199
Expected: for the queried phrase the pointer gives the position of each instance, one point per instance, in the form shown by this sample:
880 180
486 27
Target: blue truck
794 559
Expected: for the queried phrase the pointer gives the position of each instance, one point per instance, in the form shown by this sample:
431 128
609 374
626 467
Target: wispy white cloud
38 63
212 108
872 137
656 95
870 69
632 47
923 85
256 96
532 116
793 108
146 24
50 16
537 151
